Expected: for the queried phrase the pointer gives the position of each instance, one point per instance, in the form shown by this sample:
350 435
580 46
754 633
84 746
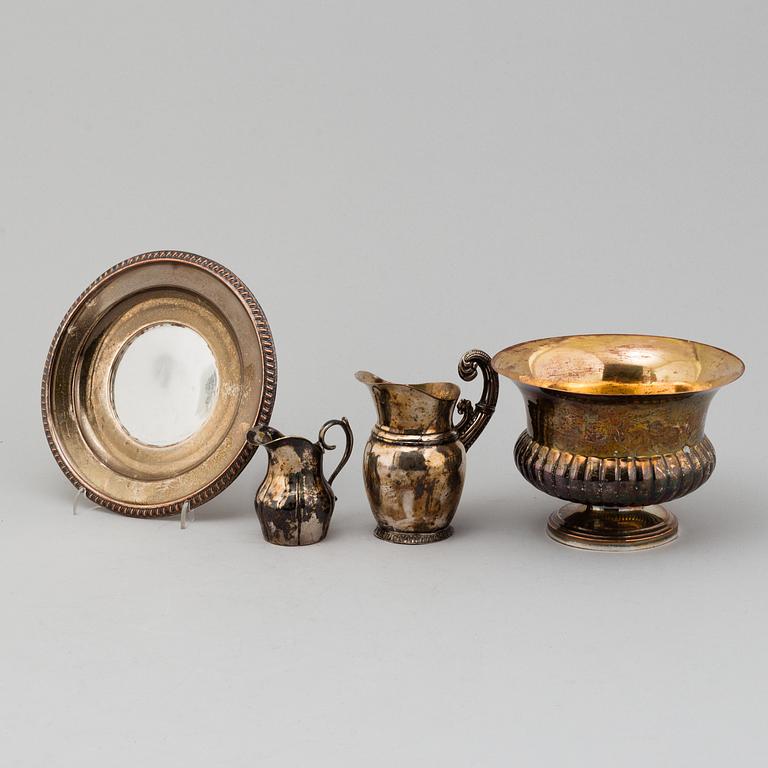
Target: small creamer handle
475 418
344 424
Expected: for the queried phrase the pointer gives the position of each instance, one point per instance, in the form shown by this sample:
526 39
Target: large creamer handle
474 418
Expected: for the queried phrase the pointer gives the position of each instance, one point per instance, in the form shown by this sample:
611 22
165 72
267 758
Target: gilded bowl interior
618 364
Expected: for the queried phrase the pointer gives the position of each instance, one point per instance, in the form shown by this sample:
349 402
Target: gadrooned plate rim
269 365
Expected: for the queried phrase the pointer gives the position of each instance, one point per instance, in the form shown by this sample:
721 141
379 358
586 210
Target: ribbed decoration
614 482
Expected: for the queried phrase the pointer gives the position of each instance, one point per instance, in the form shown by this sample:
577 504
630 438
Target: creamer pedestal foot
409 537
612 528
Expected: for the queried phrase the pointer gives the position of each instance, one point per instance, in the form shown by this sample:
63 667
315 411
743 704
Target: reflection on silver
165 385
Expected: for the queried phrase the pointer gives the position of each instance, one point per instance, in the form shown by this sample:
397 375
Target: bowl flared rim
518 369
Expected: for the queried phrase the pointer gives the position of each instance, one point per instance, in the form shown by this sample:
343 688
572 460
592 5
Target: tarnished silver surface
415 459
616 427
139 468
401 537
295 501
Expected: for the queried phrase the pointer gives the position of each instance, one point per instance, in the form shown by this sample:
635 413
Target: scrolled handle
475 418
344 424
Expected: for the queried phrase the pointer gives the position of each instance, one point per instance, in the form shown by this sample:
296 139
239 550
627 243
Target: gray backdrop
397 183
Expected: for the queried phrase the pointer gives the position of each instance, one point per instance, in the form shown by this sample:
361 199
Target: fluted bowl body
612 451
616 421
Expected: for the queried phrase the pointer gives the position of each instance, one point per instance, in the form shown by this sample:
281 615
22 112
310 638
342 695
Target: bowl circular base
612 528
408 537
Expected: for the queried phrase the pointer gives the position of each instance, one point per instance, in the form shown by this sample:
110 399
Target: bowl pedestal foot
612 528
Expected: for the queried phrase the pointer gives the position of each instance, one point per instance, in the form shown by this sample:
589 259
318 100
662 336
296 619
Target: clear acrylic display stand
187 511
187 515
79 495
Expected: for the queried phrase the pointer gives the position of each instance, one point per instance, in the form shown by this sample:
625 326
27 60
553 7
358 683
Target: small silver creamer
295 501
